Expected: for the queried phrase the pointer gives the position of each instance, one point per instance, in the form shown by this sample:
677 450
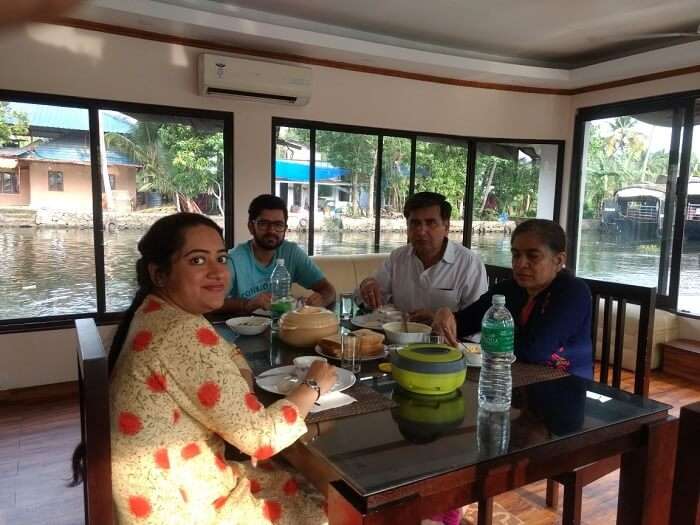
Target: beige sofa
347 271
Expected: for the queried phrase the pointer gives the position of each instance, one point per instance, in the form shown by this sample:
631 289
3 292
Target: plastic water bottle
493 432
280 283
495 381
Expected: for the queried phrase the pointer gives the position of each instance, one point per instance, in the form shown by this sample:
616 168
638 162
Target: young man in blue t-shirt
252 262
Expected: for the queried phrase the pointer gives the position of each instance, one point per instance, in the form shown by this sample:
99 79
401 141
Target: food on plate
472 348
370 343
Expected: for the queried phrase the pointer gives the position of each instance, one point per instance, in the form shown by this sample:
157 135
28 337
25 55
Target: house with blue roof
54 170
292 168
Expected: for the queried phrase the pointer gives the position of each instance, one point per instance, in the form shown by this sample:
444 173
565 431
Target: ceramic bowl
416 332
307 326
248 325
472 353
303 363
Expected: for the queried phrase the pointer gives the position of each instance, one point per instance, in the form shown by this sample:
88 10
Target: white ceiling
539 43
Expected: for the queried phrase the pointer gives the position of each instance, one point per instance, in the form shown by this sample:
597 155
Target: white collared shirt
456 281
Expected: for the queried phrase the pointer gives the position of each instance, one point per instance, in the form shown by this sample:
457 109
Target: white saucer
371 321
380 355
281 380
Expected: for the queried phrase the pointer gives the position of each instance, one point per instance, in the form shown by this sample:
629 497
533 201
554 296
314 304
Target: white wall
68 61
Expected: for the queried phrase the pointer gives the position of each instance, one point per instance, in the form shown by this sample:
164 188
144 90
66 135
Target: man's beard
268 241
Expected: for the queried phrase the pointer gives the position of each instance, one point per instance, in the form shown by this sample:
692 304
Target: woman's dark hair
549 232
266 202
158 246
427 199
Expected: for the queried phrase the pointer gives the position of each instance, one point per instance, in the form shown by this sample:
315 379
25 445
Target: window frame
55 186
13 175
469 141
684 101
94 106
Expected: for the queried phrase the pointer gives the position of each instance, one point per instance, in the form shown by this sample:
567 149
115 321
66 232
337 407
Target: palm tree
624 140
144 148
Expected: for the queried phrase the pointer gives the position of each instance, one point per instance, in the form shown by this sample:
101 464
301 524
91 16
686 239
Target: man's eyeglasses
277 226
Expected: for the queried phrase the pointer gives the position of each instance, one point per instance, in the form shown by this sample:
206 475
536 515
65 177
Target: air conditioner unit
254 79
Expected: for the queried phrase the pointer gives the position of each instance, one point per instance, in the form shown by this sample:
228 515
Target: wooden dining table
421 456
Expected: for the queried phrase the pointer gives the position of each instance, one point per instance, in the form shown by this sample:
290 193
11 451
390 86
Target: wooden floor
37 439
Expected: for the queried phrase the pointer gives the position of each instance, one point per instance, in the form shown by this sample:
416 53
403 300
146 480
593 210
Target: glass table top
421 437
424 436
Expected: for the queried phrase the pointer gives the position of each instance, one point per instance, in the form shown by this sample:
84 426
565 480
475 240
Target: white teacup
303 363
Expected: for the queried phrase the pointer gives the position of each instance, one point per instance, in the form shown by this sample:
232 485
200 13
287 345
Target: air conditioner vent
260 80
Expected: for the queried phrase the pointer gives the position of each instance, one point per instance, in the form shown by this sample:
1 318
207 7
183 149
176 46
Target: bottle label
496 339
281 306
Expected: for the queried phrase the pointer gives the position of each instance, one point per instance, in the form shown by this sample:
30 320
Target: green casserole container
422 419
428 369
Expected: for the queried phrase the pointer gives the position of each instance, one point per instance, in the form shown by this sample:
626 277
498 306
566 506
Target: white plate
474 359
248 325
263 313
281 380
371 321
380 355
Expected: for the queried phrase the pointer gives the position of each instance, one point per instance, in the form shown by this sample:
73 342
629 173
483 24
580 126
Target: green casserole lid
429 359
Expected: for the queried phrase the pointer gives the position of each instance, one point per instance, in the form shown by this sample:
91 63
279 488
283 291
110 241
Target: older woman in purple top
551 307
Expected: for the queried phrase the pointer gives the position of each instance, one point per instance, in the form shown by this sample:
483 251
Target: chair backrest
496 274
621 294
685 502
93 379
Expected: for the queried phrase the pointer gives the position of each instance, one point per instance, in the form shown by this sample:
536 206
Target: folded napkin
332 400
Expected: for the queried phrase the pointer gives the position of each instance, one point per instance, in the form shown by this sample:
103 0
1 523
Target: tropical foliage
14 126
174 160
440 167
619 154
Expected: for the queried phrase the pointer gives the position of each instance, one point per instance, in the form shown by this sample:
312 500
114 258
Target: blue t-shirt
250 278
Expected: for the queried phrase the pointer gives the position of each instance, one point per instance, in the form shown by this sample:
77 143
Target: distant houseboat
637 211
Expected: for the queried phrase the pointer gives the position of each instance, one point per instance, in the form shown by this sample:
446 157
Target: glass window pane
513 182
626 209
346 166
396 175
292 180
689 288
48 267
441 167
161 164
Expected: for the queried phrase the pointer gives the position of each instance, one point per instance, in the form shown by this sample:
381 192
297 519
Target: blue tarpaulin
298 171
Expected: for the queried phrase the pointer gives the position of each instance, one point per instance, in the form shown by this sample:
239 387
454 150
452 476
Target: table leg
552 494
343 511
485 512
646 477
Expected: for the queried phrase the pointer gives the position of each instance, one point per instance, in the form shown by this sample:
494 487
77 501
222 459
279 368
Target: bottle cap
279 262
498 300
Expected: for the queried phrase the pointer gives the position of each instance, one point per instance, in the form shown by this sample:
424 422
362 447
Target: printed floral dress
177 395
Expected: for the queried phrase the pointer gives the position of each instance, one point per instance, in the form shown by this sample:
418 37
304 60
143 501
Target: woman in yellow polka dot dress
179 392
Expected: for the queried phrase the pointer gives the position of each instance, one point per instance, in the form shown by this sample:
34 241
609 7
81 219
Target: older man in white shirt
431 271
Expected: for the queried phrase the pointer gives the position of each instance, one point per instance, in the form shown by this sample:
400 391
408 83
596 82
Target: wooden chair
622 294
609 293
93 379
496 274
685 502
